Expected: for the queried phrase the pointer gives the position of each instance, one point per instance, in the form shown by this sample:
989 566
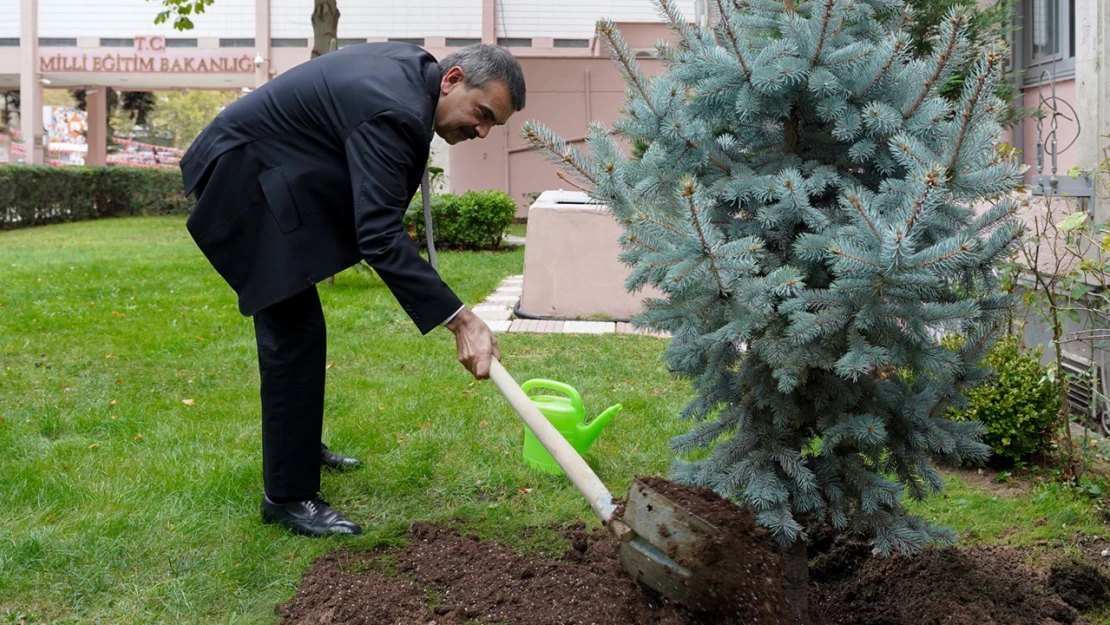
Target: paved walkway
497 312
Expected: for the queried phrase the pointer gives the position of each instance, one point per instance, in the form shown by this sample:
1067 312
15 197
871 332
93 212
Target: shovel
663 546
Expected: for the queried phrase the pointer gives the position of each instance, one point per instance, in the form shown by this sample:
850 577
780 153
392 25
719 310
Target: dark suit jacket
312 172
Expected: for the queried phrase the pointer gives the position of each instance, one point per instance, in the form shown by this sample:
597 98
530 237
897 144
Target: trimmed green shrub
33 195
1018 402
475 220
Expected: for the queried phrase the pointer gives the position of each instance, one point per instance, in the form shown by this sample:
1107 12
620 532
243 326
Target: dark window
289 43
462 42
116 42
59 42
416 41
515 42
572 43
1048 37
1044 30
349 42
9 42
236 43
181 43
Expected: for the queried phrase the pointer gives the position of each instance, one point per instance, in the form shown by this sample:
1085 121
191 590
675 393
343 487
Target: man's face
470 114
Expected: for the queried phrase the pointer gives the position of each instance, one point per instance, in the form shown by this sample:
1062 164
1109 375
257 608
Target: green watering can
568 415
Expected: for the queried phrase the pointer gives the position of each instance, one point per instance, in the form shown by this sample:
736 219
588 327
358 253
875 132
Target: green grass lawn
123 504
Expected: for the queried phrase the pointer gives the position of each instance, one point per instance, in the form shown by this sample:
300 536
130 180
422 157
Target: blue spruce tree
806 201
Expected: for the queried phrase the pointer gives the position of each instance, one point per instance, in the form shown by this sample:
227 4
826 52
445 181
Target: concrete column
1092 74
96 105
30 89
489 21
262 40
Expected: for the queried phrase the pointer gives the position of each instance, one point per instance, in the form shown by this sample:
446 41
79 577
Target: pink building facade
241 44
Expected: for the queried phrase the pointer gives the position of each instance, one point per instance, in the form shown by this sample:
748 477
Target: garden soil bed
443 577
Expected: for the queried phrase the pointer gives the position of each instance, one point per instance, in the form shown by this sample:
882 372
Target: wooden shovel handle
580 473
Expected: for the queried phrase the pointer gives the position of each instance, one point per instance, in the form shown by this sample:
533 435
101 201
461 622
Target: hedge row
475 220
36 195
33 195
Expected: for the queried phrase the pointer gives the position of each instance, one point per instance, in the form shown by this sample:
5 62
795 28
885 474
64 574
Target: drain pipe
425 194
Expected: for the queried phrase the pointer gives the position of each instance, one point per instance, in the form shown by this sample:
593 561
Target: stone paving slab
497 312
589 327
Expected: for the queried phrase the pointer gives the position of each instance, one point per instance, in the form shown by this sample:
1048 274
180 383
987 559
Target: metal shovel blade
671 550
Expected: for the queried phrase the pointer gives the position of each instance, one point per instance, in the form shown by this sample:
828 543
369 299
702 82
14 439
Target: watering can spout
591 430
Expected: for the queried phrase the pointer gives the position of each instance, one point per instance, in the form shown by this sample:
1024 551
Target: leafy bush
35 195
1018 402
475 220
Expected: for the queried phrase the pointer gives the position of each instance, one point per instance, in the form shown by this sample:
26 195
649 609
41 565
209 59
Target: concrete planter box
571 265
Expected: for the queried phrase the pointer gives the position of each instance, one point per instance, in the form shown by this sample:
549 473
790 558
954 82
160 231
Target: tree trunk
325 27
796 582
325 37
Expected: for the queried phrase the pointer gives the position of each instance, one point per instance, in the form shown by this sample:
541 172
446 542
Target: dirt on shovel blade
737 568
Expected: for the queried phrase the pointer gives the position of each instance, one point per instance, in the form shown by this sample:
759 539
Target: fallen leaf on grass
112 403
29 421
109 356
400 439
67 388
330 365
525 491
94 446
189 402
138 438
91 304
116 313
425 425
483 423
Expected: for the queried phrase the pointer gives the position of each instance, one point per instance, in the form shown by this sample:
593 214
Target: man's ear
454 78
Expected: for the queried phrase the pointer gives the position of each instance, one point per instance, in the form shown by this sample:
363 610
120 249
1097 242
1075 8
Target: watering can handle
580 473
552 385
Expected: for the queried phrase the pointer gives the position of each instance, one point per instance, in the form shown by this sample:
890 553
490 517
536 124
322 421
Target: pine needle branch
730 32
688 193
610 32
824 30
993 59
942 63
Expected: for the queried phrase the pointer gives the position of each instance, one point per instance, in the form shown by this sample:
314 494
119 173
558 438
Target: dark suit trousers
292 354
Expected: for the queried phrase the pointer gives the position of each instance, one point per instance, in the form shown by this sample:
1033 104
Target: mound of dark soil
1080 584
945 586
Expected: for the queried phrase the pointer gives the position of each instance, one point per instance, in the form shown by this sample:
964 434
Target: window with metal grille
236 43
515 42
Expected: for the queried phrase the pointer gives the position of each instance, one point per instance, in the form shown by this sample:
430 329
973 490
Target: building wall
574 18
131 18
383 18
9 18
563 94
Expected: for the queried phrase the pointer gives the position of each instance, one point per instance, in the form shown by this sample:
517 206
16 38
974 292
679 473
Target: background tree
181 115
806 203
987 24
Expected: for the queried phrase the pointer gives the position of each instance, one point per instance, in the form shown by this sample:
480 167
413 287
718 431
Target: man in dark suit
309 175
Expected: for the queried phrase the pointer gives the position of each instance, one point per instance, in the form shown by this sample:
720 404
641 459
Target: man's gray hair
483 62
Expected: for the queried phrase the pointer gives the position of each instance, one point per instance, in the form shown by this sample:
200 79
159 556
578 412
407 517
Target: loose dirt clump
1082 585
945 586
343 588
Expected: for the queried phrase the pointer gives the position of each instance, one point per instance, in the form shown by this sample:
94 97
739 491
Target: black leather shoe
332 460
310 517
